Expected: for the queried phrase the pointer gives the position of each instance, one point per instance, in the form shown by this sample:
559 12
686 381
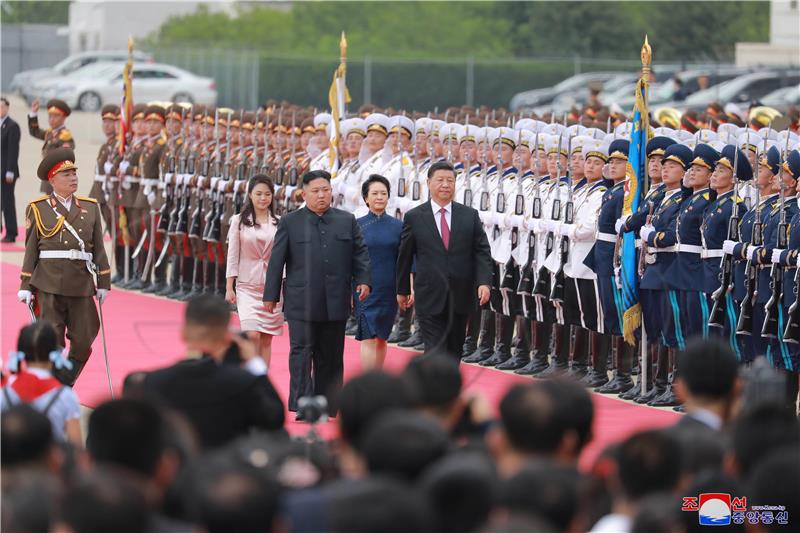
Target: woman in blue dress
375 315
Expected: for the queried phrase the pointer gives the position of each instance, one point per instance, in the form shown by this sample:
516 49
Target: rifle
792 331
526 279
716 318
500 202
401 181
212 228
467 178
772 307
557 291
277 161
484 205
542 279
415 186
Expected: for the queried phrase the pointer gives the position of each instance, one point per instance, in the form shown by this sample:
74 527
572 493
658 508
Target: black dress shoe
652 394
398 336
8 239
679 409
136 285
617 385
477 357
667 399
299 417
633 392
578 372
535 366
411 341
554 370
165 290
513 364
496 359
419 347
154 287
351 330
595 378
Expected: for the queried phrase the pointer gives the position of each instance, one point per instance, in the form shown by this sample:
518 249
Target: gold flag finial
343 47
130 45
647 53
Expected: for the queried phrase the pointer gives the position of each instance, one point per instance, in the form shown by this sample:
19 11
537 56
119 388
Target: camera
314 409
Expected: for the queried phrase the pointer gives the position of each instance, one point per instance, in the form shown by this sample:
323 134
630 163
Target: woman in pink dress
250 239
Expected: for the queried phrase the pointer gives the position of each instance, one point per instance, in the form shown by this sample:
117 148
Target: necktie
445 229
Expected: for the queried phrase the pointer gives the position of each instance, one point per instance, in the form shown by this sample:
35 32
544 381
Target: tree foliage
705 30
35 12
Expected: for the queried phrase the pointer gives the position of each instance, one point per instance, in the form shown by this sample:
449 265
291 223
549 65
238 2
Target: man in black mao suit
9 173
453 263
325 256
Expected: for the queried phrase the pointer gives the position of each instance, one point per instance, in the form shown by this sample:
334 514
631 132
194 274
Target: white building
783 47
95 25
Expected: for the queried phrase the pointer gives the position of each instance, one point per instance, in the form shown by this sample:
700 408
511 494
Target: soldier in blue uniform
716 227
651 306
601 260
659 243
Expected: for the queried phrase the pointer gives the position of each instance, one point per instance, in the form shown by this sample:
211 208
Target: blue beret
743 167
792 164
680 153
618 149
705 156
657 145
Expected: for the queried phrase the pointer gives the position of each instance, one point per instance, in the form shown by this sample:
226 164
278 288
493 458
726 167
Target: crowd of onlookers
201 446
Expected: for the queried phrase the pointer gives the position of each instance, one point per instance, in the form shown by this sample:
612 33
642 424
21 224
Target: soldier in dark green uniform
65 264
57 135
108 150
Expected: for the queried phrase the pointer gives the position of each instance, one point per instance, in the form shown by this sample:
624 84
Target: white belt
708 254
607 237
132 179
100 178
150 182
65 254
654 250
690 248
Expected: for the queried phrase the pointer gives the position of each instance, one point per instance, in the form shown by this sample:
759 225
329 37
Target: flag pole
647 57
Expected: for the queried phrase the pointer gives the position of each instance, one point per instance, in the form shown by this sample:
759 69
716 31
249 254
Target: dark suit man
9 173
324 256
453 257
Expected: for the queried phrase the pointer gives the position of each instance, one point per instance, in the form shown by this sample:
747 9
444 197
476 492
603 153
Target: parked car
23 81
539 97
98 85
565 101
783 98
743 89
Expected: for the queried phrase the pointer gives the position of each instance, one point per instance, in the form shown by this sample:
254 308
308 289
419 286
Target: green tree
34 12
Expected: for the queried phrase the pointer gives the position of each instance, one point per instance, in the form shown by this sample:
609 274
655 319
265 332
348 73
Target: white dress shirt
66 202
448 215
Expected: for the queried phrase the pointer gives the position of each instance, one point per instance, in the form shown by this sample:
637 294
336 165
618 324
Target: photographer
221 400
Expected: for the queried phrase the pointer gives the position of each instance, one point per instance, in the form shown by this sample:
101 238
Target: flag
126 107
636 188
338 97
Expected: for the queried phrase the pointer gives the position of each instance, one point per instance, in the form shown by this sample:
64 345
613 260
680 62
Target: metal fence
28 46
246 77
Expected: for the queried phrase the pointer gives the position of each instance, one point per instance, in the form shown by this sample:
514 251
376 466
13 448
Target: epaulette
706 196
179 141
45 197
65 135
739 199
86 199
161 141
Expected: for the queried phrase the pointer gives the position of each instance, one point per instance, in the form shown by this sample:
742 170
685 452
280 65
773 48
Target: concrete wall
27 46
783 47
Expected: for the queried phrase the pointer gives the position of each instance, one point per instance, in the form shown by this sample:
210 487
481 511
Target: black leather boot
351 327
621 382
415 338
600 347
68 377
667 398
541 334
580 354
559 358
502 348
402 326
485 340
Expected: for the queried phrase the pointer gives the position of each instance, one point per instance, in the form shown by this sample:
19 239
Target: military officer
65 263
56 135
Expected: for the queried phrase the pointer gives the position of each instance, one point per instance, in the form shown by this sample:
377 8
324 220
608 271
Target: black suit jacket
222 402
442 274
324 257
9 148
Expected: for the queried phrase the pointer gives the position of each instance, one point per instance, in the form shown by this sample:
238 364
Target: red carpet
142 332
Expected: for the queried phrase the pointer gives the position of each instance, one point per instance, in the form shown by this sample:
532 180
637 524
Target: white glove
484 216
515 221
566 229
776 255
108 166
729 246
102 294
751 251
546 226
646 231
618 224
214 182
25 296
151 198
123 166
798 260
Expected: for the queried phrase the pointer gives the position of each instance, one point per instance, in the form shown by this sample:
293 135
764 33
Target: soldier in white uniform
399 168
352 132
371 159
319 146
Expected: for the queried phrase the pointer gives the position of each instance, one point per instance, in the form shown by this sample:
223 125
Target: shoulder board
739 199
65 135
161 141
45 197
706 195
178 141
86 199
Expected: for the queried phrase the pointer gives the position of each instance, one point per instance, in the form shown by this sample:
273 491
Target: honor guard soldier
56 135
372 160
399 167
134 205
352 132
65 263
319 146
102 187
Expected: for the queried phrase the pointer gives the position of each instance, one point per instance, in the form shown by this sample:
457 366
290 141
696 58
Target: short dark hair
461 489
312 175
105 500
26 436
440 165
403 444
546 490
364 398
5 101
433 380
375 178
127 432
648 462
759 431
208 310
708 367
